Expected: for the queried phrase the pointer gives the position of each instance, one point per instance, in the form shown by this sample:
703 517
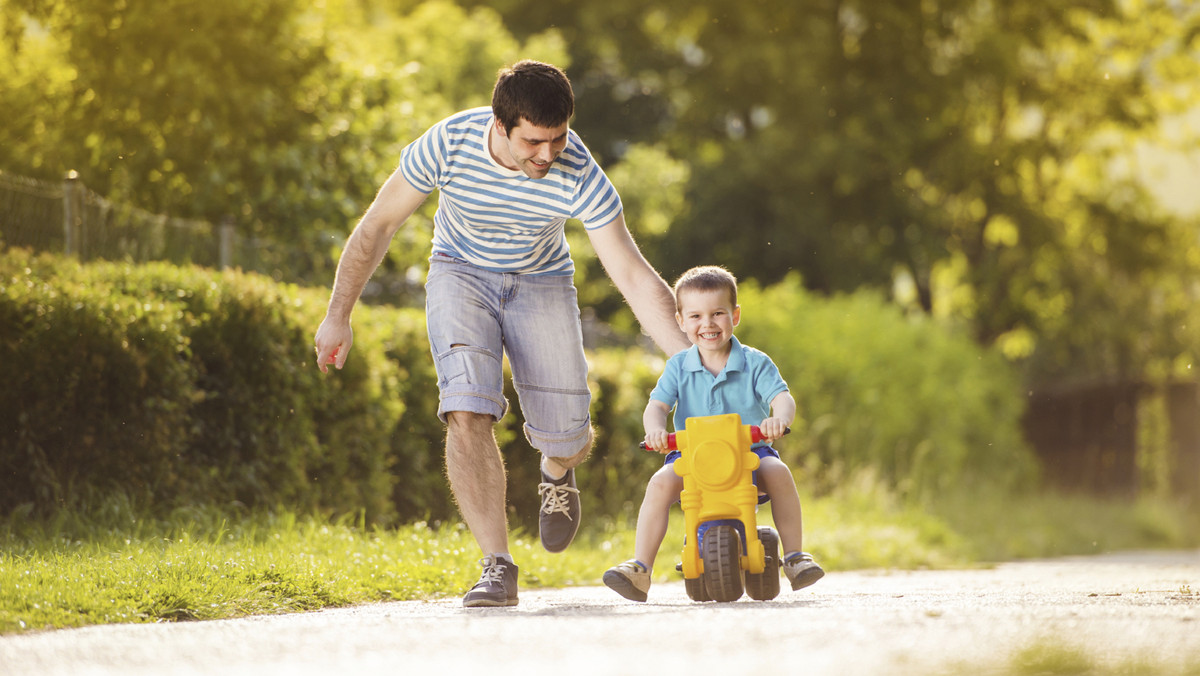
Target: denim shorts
476 318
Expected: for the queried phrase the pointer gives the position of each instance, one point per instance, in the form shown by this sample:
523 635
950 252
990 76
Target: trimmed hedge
923 406
180 386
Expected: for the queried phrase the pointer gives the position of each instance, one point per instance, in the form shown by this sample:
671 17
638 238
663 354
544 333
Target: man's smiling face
529 148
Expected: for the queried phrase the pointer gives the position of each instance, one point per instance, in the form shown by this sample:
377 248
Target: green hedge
900 395
180 386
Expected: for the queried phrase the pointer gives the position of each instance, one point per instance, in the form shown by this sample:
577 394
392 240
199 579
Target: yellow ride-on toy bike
724 551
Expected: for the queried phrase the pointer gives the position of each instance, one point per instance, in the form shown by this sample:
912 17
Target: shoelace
493 571
554 498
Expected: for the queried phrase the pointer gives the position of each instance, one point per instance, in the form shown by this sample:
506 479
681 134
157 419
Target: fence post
225 243
70 182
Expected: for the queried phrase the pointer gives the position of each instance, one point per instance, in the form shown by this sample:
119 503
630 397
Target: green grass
111 564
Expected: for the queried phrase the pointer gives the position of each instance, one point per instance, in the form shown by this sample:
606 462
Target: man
500 283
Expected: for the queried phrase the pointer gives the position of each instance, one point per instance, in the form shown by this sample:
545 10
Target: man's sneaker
558 520
497 585
801 570
629 579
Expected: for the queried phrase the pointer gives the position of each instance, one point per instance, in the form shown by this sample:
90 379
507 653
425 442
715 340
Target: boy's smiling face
708 318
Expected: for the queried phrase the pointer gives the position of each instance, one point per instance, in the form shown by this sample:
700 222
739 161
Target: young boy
716 375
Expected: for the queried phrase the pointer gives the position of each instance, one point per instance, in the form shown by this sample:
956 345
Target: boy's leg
654 516
785 502
798 566
631 579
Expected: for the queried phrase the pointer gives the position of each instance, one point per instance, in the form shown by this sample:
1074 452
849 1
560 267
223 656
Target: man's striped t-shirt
497 218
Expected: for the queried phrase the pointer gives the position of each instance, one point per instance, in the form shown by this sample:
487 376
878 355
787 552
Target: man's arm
365 249
648 295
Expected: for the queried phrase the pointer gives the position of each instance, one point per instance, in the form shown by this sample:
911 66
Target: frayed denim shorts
477 317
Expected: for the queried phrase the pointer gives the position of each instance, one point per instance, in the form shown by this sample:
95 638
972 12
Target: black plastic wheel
695 589
722 553
765 586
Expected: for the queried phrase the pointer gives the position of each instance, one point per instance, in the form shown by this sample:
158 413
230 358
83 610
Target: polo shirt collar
737 358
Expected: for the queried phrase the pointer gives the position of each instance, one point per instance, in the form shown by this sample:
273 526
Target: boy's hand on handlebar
657 441
773 428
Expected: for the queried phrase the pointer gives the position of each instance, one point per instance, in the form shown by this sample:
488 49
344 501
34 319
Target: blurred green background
962 224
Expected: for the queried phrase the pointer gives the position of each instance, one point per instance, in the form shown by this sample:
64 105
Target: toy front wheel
721 550
764 586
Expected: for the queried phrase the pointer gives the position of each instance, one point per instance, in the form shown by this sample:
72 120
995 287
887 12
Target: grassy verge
112 565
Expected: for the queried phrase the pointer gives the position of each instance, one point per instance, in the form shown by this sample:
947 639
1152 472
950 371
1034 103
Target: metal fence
70 218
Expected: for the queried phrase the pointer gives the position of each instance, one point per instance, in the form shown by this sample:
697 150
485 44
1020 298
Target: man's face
531 149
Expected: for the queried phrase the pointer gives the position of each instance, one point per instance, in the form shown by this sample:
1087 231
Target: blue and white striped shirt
497 218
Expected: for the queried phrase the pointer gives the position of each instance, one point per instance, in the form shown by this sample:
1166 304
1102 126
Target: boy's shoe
629 579
801 570
497 585
558 520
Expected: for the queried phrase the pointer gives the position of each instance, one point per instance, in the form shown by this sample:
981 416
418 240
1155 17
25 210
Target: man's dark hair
535 91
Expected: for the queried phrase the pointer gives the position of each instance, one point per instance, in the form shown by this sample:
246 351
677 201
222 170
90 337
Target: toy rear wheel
765 586
695 589
722 554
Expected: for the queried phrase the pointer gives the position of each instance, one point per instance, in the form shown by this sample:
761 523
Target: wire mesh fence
68 217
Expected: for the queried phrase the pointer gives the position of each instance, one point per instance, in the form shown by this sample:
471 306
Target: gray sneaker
629 579
497 585
801 570
558 520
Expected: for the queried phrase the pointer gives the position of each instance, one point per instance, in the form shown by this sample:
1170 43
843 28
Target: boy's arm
654 419
783 412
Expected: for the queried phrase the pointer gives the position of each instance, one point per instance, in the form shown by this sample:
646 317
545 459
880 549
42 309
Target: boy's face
708 318
529 148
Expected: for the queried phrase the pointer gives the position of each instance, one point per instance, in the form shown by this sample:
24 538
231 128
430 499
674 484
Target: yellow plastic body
717 468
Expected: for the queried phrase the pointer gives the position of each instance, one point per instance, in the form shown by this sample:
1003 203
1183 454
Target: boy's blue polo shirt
746 386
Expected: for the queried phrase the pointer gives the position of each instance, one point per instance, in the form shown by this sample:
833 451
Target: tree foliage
957 155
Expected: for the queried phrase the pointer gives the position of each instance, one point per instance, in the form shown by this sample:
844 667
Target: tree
283 116
959 149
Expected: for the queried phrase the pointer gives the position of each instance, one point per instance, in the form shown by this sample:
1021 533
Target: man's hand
333 341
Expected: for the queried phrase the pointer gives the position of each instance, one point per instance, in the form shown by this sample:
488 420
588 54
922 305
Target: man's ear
500 128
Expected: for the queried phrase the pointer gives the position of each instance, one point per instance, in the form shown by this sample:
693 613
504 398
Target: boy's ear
679 320
737 314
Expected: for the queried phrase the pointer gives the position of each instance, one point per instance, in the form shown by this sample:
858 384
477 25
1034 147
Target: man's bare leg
477 480
555 468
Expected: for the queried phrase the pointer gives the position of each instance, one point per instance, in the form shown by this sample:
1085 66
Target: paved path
1116 609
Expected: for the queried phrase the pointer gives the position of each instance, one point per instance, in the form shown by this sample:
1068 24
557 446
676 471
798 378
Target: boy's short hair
535 91
706 278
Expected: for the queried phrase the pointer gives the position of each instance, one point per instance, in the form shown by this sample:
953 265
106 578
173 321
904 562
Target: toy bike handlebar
756 436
